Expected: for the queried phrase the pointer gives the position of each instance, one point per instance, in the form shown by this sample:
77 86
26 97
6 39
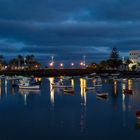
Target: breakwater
47 72
67 72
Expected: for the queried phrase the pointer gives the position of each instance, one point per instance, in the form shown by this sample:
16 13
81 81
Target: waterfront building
134 56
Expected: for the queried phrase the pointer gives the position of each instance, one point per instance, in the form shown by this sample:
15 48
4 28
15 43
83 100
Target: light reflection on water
50 113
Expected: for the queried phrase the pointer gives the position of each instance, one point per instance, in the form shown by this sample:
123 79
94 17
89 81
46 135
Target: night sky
69 29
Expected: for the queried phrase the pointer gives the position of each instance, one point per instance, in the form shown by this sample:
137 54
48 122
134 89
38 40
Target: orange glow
115 87
37 79
129 84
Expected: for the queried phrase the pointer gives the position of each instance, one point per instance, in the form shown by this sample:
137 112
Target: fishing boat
25 83
138 115
27 86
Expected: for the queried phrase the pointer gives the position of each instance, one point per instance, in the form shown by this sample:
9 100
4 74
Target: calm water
49 114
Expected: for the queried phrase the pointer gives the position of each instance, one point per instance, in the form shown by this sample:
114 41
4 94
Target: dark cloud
69 29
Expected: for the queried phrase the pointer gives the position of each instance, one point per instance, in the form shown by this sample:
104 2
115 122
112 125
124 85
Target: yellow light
81 63
51 64
72 82
83 91
51 90
61 65
129 84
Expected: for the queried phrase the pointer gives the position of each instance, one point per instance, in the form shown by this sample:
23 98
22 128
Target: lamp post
52 62
84 61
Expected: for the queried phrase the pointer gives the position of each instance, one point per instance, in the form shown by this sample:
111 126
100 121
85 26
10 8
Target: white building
134 56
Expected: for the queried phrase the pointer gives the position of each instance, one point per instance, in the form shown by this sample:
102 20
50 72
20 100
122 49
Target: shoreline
68 72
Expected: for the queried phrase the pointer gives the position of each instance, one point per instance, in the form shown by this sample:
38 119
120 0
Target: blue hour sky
69 29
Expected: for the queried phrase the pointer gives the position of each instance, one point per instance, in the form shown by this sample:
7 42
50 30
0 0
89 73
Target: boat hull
29 87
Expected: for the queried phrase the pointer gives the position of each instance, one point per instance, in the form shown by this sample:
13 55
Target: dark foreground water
51 114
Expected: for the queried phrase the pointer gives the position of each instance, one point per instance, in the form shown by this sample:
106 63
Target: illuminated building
134 56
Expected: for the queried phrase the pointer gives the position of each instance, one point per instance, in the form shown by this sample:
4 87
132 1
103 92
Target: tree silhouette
114 54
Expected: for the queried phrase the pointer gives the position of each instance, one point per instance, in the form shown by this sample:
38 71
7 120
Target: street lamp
52 62
84 60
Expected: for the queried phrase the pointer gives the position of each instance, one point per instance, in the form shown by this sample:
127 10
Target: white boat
24 83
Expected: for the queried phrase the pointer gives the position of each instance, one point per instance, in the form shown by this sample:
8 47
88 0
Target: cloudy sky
69 29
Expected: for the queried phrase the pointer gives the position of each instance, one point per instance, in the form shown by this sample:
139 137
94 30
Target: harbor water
50 113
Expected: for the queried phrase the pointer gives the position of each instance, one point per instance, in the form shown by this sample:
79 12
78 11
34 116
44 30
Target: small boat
24 83
128 91
138 115
102 95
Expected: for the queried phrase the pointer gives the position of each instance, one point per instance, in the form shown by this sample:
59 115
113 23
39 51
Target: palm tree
29 59
32 62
